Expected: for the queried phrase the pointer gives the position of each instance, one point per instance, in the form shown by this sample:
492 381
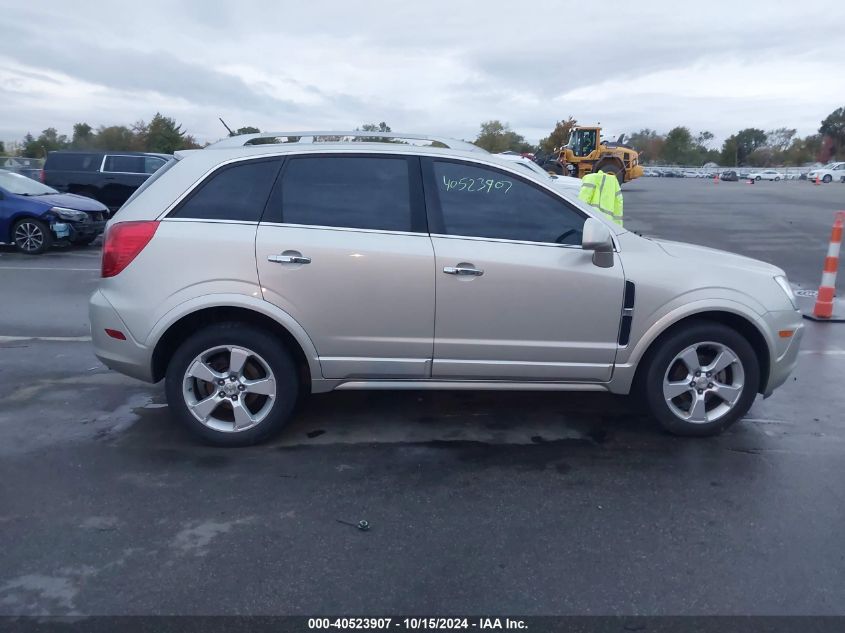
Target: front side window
124 164
481 202
359 192
236 192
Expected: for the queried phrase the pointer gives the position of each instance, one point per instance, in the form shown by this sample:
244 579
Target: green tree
164 135
83 136
649 144
115 138
834 127
497 137
368 127
48 141
2 148
558 136
245 130
678 146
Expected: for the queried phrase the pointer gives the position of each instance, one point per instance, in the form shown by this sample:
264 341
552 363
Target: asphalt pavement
484 503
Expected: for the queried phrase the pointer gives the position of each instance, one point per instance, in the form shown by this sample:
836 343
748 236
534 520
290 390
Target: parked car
33 215
109 177
399 266
568 183
730 175
769 174
829 173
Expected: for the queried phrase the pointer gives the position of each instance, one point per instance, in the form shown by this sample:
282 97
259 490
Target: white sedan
769 174
829 173
567 183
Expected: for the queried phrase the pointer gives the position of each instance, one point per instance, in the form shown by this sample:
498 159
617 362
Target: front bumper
128 357
785 358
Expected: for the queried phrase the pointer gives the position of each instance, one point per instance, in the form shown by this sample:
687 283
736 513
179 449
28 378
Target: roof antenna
228 129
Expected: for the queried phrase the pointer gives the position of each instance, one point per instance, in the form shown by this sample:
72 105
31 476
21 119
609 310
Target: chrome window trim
347 229
209 221
507 241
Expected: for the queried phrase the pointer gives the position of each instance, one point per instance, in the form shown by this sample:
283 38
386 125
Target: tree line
680 146
750 146
162 134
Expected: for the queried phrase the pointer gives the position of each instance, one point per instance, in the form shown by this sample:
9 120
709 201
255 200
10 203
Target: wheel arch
176 332
738 322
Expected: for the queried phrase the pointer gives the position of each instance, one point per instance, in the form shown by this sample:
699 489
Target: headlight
783 282
69 214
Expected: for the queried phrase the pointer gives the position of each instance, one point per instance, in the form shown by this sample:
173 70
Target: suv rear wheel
232 384
701 380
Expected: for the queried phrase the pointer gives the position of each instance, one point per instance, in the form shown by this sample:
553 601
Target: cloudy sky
435 66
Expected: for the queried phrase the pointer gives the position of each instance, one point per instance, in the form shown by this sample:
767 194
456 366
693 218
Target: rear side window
73 162
124 164
152 164
236 192
359 192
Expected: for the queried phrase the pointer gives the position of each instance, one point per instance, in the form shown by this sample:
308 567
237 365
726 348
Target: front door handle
463 269
289 258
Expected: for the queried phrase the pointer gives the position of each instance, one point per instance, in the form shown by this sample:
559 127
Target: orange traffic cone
827 288
818 182
716 179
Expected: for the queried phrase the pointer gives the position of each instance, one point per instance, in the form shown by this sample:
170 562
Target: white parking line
93 270
60 339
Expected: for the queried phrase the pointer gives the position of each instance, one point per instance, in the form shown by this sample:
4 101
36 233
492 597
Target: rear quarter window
236 192
73 162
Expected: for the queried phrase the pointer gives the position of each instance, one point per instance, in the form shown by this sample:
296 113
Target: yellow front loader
585 152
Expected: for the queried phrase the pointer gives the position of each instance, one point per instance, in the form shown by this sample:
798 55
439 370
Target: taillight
41 176
122 244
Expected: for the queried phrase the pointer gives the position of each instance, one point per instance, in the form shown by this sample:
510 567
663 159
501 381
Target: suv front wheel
701 379
232 384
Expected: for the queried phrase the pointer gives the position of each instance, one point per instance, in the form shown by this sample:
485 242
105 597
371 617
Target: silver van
269 266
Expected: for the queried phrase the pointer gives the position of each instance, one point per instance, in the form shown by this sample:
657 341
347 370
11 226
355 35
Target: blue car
34 216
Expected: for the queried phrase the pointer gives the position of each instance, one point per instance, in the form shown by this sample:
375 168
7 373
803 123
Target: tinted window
73 162
152 164
480 202
237 192
126 164
351 192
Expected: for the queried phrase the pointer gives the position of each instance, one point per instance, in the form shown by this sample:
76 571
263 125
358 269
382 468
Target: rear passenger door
343 247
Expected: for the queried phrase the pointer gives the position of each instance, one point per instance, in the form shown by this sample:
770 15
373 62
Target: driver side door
516 298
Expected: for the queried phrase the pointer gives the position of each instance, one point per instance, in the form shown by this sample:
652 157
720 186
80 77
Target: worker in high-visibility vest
602 191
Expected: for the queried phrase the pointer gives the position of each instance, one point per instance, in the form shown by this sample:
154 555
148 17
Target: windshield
23 186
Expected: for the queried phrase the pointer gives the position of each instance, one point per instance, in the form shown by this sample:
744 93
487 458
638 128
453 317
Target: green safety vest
602 191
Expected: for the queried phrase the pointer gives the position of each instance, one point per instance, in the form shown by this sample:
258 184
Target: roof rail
339 137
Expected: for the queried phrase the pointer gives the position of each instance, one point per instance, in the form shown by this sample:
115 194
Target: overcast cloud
438 67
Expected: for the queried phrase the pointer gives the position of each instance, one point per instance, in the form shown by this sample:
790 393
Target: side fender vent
627 313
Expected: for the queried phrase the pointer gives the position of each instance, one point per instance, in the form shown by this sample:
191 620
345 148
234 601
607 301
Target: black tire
777 178
663 360
264 344
758 179
84 241
827 178
31 236
612 168
553 167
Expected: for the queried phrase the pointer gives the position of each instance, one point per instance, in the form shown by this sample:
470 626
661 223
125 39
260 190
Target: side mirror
597 238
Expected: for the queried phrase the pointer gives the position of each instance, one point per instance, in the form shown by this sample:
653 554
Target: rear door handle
285 258
463 269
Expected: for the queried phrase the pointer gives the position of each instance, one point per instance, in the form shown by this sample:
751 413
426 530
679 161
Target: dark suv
109 177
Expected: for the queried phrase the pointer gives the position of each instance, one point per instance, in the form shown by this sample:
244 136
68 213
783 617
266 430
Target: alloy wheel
703 382
29 237
229 388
